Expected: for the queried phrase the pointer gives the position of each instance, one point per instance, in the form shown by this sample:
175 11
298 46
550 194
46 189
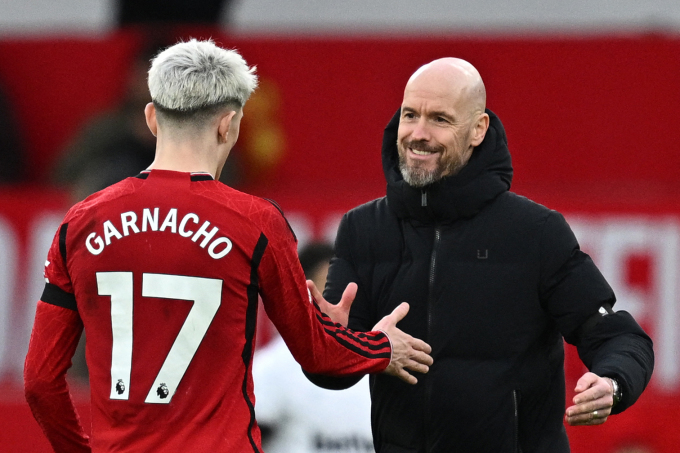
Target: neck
191 155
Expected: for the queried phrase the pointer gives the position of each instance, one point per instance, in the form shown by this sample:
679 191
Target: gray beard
418 177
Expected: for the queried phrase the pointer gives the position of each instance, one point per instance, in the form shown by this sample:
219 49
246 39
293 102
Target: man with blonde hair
163 271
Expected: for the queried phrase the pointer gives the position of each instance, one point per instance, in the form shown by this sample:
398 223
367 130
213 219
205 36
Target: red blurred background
591 125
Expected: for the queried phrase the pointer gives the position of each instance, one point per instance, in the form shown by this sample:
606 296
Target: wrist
391 346
616 390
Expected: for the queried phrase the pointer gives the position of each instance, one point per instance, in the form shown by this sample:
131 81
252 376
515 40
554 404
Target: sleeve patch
54 295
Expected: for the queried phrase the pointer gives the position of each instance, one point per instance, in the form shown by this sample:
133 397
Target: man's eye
441 119
409 115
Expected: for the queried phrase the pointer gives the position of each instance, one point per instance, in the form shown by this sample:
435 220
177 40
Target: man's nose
420 131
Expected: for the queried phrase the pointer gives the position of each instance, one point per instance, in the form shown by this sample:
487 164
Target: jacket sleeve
318 344
340 273
54 339
573 291
616 346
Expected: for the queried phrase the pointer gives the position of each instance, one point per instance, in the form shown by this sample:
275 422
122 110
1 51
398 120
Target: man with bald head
495 282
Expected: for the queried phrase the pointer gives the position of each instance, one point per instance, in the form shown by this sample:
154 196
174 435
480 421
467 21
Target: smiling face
442 120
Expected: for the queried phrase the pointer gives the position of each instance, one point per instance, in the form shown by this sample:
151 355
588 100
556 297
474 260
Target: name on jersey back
217 246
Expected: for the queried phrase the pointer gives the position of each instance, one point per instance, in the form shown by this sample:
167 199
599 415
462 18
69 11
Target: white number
206 293
118 285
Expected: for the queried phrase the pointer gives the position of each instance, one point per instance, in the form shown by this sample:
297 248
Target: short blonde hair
193 76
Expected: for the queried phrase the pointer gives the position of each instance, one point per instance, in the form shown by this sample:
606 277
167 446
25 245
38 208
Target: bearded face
442 120
423 162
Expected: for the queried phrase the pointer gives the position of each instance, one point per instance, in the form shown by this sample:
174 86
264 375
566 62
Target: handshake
408 353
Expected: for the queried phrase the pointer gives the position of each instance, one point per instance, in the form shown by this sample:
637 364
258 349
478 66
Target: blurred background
587 90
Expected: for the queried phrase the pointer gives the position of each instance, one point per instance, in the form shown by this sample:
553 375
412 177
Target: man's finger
417 366
407 377
348 296
314 291
420 345
585 382
422 358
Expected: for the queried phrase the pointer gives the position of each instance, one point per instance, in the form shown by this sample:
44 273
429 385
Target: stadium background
587 93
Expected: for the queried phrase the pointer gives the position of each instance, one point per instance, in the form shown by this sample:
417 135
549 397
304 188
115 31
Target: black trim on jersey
142 175
62 241
54 295
376 343
251 322
342 336
202 177
352 347
278 208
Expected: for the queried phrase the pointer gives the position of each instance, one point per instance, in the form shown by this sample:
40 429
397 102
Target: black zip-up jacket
495 282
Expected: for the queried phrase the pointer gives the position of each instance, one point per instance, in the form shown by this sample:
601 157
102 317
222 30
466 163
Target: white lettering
148 219
109 231
223 253
170 221
95 244
183 224
98 241
128 219
203 232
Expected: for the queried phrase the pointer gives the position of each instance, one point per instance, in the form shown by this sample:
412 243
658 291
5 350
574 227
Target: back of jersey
164 272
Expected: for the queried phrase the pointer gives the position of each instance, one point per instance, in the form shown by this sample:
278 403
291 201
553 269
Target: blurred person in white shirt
294 415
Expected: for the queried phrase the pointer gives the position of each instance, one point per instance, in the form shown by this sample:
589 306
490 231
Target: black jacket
494 281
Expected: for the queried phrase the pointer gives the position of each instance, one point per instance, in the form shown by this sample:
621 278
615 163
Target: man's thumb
399 312
348 295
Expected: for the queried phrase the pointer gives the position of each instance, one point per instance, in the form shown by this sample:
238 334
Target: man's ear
150 114
479 129
224 126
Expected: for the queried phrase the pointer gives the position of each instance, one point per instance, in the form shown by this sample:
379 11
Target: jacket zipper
430 302
518 449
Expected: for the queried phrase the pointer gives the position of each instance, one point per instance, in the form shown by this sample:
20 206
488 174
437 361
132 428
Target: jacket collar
486 175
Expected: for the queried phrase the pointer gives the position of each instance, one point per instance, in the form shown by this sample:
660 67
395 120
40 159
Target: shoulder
373 214
372 207
513 201
264 213
98 200
258 210
369 230
520 210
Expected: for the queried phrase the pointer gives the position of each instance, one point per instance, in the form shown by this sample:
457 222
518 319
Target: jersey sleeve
58 287
54 339
316 342
56 332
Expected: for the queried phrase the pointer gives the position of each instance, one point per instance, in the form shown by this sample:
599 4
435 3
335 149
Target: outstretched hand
338 313
593 401
408 353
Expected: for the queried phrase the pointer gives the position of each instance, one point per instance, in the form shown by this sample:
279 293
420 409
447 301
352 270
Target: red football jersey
164 270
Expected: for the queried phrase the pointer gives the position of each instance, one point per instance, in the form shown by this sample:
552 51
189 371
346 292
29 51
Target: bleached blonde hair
194 78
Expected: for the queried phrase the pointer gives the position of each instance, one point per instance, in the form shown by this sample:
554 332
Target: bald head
442 120
458 78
